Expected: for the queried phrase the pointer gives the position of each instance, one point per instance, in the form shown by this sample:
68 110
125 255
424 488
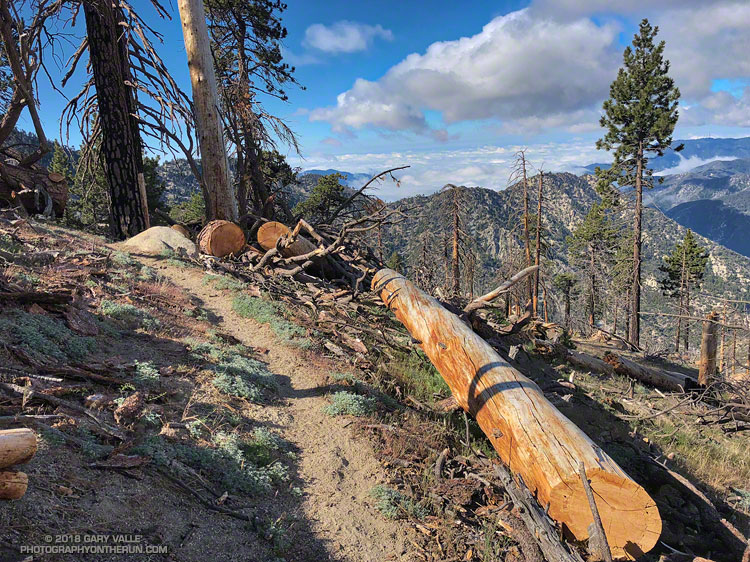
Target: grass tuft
129 316
271 313
395 505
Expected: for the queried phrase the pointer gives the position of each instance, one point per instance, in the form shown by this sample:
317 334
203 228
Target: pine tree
622 278
395 262
639 118
684 269
567 284
88 201
590 247
326 197
155 186
61 163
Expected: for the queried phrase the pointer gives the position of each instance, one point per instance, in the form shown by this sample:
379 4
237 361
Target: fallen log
531 436
668 380
12 484
220 238
36 189
17 446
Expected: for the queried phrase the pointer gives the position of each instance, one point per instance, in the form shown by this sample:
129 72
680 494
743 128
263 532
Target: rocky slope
493 222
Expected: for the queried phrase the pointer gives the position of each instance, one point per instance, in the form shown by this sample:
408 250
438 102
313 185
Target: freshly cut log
220 238
17 446
668 380
27 186
13 484
531 436
270 232
707 366
182 230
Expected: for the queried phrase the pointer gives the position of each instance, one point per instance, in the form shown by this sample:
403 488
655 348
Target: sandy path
338 471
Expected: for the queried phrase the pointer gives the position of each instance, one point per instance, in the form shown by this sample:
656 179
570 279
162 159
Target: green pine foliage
155 186
325 198
590 248
395 262
88 206
684 267
191 211
640 114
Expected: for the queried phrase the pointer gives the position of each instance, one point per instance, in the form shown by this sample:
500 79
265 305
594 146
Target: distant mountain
493 223
713 200
694 153
717 221
352 179
723 180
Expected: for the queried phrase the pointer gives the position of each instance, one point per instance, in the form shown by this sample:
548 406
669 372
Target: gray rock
159 238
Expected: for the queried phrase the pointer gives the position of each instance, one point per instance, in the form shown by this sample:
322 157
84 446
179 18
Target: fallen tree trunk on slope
582 361
668 380
531 436
36 189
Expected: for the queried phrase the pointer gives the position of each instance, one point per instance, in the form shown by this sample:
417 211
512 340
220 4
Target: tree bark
456 273
121 144
668 380
531 436
218 190
526 238
635 290
538 243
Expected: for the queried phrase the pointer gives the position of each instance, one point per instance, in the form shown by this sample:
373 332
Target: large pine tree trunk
217 187
121 144
635 290
531 436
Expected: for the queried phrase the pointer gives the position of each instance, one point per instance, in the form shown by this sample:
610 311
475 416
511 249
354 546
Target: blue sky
455 89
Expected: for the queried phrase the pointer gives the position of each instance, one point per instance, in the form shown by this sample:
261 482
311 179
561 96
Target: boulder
159 238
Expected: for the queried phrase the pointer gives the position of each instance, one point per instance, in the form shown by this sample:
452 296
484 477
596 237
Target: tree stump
221 238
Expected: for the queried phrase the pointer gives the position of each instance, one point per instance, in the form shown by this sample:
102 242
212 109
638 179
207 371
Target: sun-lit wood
221 238
12 484
531 436
17 446
270 232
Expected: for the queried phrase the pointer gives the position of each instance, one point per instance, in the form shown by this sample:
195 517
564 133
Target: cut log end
13 484
630 517
182 230
17 446
221 238
270 232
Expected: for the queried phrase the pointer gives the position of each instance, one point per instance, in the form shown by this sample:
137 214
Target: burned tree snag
707 367
531 436
121 142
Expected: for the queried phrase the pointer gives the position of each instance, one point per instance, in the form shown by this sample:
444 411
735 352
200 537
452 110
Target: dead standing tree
156 107
454 206
121 147
520 173
218 190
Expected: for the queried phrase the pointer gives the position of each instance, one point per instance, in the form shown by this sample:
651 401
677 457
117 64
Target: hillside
493 223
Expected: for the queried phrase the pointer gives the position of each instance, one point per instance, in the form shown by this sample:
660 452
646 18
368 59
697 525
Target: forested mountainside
493 224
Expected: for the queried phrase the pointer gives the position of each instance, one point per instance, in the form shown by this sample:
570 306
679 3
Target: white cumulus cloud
517 67
344 36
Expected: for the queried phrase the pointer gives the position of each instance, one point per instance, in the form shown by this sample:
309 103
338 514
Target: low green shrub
129 316
347 403
43 336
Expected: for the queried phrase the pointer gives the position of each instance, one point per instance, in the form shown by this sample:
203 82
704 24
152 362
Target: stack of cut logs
17 446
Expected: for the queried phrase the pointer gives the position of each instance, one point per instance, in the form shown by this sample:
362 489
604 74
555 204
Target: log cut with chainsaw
531 436
221 238
17 446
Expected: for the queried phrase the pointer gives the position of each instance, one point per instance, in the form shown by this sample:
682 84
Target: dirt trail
338 471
